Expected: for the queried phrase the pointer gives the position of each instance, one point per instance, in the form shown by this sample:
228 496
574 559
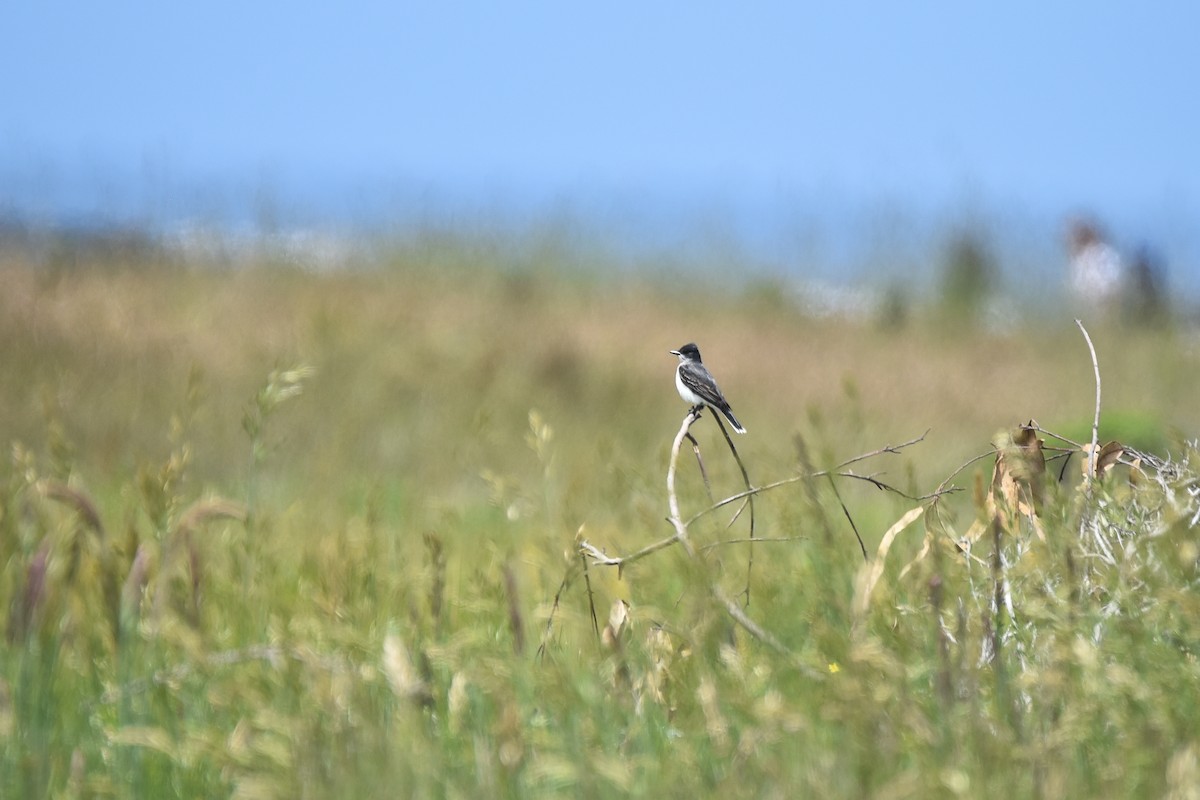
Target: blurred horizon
819 144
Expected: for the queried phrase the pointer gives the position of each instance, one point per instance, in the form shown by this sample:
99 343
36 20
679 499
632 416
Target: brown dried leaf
870 572
1019 476
618 618
1106 457
1137 477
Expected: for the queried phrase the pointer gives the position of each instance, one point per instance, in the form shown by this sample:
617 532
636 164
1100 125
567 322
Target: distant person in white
1097 273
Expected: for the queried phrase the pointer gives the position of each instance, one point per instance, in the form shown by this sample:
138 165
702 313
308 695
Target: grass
273 534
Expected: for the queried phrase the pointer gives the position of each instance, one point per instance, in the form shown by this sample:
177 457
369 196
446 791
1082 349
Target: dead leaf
618 618
1107 456
1137 477
870 573
1018 481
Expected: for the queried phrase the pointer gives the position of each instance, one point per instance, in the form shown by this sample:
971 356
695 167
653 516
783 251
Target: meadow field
272 533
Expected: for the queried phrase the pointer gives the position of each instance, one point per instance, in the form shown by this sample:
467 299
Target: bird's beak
674 352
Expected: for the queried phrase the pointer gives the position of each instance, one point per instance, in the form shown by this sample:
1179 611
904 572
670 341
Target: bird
697 387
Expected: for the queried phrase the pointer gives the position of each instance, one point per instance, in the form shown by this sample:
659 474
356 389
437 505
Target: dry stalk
836 472
83 505
602 558
106 557
871 572
515 619
588 551
850 519
767 539
135 584
944 680
749 501
700 462
735 611
437 587
587 581
562 587
1096 419
24 610
199 513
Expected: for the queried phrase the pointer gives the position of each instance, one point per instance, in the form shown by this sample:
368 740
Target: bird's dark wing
700 381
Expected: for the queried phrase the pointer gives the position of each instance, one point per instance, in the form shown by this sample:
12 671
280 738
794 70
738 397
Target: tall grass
216 585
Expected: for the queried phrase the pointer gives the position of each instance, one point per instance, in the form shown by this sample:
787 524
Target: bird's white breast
687 394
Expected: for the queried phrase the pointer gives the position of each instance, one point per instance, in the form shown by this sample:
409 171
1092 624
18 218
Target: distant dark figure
1145 295
968 276
1096 272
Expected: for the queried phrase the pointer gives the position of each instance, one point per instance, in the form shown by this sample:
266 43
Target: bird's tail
737 426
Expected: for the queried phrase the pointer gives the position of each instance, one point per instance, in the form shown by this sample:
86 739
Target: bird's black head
689 351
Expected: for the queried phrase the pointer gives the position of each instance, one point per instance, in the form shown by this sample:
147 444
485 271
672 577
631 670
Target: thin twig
1059 436
600 557
737 514
945 488
723 542
562 587
946 482
735 611
672 499
516 620
749 499
1096 418
700 461
1128 459
887 487
887 448
733 498
849 518
587 579
1063 472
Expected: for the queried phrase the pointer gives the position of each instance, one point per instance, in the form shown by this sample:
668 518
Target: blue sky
1029 108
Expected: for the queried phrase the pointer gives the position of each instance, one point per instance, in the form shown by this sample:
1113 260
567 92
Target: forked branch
736 613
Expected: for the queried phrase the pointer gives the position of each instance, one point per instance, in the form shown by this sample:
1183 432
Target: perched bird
697 387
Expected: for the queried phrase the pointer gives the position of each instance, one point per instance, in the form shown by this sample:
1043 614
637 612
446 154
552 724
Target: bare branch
749 500
937 493
1130 458
590 552
562 587
700 461
672 498
600 557
722 543
516 620
733 498
887 487
737 514
681 533
850 519
1096 419
587 579
942 489
887 448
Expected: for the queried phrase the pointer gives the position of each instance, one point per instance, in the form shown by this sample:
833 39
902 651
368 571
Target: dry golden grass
410 345
367 626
